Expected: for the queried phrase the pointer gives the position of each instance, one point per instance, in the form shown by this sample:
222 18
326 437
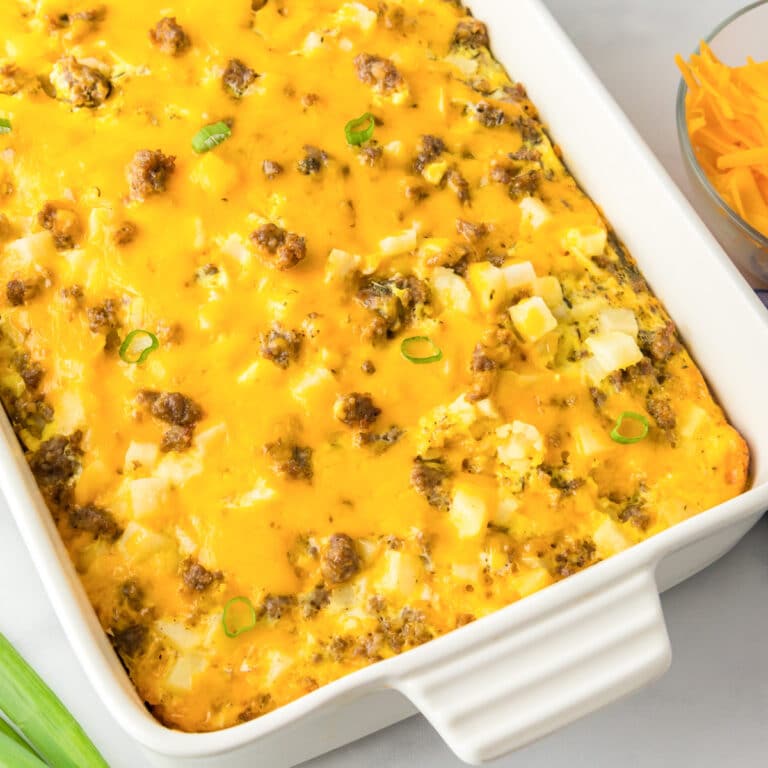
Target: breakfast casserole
315 348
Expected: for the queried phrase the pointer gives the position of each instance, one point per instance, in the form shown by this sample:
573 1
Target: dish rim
689 155
116 691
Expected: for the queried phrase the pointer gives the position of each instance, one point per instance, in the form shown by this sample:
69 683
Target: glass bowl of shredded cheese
722 121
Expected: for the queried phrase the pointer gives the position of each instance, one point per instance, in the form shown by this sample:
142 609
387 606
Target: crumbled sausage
367 367
97 521
125 233
30 412
62 222
406 630
57 460
393 16
660 344
169 36
471 232
271 169
472 33
313 161
340 561
284 249
417 192
485 373
503 171
91 17
30 371
379 441
661 409
635 514
378 72
281 346
196 577
427 478
177 438
392 303
490 116
462 619
430 148
598 397
11 79
312 602
79 84
103 319
18 292
371 153
175 408
526 154
132 594
275 606
290 460
131 640
238 77
149 172
459 185
525 183
257 5
570 558
356 410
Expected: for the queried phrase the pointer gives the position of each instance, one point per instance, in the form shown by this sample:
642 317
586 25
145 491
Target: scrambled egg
316 349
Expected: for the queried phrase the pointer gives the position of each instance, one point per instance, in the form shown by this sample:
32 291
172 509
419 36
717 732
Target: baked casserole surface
318 389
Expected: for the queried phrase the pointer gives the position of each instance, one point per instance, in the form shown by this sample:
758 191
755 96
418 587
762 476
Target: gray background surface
711 709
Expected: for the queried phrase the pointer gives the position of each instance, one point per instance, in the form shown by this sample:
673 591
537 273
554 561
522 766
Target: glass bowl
740 35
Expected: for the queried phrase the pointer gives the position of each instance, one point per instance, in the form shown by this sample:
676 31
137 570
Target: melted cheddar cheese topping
287 446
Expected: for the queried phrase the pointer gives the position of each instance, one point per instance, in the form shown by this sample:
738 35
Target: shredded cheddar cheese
304 389
727 116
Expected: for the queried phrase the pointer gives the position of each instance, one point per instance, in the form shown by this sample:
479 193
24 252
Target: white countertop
711 709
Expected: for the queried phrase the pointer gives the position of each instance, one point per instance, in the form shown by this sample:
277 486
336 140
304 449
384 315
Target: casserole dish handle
495 695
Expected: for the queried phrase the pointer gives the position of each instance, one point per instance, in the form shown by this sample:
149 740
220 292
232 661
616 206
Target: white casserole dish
516 675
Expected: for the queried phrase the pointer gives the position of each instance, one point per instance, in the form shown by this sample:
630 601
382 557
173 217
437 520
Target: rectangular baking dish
536 665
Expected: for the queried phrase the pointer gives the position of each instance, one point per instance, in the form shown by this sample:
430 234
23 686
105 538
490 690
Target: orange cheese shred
727 118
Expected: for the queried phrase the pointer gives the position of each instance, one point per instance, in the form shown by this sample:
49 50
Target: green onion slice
234 626
360 129
210 136
421 350
638 418
5 125
44 721
138 346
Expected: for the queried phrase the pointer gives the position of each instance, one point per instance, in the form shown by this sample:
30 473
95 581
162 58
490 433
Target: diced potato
468 572
356 14
260 492
180 467
450 291
148 495
520 445
278 663
141 454
590 441
586 241
24 253
691 420
610 539
549 289
214 175
530 581
468 513
614 351
182 673
340 265
315 383
505 510
489 285
184 638
622 320
532 318
139 542
397 244
435 172
520 275
401 574
533 212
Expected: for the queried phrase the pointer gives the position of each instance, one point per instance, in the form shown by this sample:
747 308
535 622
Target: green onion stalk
32 707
